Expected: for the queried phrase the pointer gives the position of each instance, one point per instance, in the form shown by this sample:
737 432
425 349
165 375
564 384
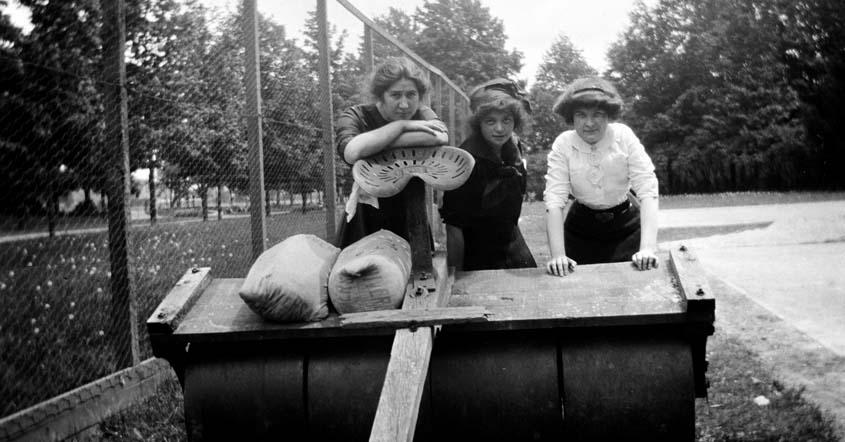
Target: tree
464 41
398 24
812 42
562 63
709 96
15 155
56 126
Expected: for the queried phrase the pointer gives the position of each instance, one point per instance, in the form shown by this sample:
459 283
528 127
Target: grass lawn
56 303
56 308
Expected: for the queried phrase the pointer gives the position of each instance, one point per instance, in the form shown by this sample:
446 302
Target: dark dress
391 212
598 236
487 208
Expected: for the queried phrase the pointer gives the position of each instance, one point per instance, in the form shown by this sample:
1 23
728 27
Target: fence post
369 53
329 179
453 136
124 317
252 85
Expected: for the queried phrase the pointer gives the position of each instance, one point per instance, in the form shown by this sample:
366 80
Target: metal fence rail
194 201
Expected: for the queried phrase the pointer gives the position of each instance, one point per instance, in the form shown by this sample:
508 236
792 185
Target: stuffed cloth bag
287 283
371 274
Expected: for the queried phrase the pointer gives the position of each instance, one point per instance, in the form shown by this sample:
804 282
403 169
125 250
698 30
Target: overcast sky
531 25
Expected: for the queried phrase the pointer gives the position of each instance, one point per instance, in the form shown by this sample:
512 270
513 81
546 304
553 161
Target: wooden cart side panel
177 303
692 281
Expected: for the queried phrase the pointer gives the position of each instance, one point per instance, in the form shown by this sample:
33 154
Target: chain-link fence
189 202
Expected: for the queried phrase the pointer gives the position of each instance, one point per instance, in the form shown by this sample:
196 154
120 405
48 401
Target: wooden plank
692 282
413 196
166 318
430 286
68 414
399 404
414 318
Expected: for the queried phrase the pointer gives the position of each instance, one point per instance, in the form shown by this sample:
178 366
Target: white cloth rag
358 195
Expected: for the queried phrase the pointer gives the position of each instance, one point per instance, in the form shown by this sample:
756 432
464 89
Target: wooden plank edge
404 382
414 318
165 319
435 290
71 413
692 281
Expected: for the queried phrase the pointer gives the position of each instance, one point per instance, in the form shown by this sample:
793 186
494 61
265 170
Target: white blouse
599 176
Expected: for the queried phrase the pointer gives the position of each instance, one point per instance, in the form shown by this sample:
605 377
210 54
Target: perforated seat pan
386 173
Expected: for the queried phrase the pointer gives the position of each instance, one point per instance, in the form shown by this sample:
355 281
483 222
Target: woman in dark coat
482 215
395 118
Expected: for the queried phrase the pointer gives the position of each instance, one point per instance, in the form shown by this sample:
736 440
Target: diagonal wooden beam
430 286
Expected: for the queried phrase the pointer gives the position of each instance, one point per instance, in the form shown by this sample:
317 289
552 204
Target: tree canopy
711 95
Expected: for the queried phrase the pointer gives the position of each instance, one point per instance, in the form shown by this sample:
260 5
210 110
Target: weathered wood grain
177 303
65 416
399 404
414 318
692 281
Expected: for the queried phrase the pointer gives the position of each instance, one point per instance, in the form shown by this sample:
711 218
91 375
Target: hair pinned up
392 70
588 91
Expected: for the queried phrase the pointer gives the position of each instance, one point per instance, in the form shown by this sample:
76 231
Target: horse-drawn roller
607 353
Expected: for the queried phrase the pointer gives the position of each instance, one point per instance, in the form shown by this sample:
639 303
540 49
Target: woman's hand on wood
561 266
645 259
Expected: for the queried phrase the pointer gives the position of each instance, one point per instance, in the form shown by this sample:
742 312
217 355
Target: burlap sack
287 283
371 274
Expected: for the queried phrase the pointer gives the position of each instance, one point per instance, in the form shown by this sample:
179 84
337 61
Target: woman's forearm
372 142
401 133
554 232
413 139
648 223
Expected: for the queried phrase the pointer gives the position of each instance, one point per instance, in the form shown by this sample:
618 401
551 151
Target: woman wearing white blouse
597 163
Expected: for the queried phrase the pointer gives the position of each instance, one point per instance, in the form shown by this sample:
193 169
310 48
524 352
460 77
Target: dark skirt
506 250
597 236
367 220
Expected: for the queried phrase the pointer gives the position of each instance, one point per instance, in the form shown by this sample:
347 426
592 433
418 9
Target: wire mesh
189 187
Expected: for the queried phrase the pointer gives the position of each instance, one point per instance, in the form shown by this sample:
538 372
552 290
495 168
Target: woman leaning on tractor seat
395 118
597 163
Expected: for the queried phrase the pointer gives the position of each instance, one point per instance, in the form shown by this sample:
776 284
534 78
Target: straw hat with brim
588 92
386 174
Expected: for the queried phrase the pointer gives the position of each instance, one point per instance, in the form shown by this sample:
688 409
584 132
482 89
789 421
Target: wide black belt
604 215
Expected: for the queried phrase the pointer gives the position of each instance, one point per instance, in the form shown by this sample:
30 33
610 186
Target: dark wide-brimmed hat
497 92
589 91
